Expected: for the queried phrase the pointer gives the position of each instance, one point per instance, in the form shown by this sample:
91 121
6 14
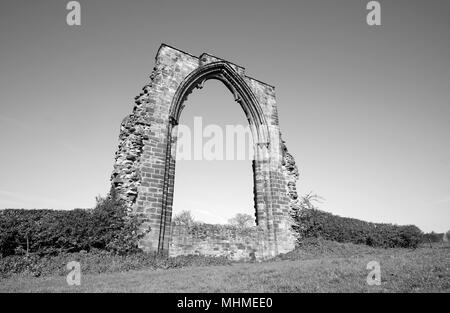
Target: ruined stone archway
144 169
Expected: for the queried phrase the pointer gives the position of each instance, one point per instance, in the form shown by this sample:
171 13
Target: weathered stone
144 167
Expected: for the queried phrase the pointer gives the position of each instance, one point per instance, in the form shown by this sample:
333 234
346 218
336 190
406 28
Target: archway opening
213 176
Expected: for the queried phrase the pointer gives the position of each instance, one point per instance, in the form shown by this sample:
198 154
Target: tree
309 201
242 220
184 218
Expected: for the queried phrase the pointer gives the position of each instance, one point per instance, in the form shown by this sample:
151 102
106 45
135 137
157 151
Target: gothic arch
144 169
223 72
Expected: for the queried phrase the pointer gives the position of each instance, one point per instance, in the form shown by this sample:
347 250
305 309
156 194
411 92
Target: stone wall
219 241
144 169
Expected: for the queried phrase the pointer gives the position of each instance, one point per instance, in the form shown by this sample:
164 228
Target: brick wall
144 169
218 240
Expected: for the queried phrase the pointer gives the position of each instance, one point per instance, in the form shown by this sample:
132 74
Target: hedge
310 222
433 237
50 232
108 227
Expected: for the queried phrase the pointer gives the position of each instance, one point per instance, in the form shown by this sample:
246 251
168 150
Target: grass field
320 266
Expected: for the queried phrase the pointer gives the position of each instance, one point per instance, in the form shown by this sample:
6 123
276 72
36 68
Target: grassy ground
318 266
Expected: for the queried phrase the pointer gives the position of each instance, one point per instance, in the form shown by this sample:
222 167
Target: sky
365 110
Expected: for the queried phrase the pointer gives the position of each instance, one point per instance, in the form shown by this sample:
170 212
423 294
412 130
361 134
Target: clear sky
364 110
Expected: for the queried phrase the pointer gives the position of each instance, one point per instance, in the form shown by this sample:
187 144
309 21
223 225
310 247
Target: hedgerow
311 222
433 237
50 232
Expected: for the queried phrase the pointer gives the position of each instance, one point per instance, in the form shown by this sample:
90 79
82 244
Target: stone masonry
144 169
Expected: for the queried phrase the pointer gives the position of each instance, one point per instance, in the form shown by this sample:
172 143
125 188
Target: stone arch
223 72
144 170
